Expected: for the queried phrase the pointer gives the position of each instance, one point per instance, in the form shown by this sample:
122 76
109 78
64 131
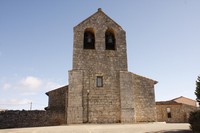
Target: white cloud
6 86
19 101
15 103
21 92
30 83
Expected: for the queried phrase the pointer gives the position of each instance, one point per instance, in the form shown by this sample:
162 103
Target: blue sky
36 38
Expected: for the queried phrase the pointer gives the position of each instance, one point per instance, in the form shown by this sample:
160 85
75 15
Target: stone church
101 89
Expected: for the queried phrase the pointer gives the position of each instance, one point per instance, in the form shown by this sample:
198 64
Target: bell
89 40
110 40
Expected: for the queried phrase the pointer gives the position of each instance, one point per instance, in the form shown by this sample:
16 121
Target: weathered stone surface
144 98
127 97
57 104
124 97
104 102
74 106
57 98
179 112
34 118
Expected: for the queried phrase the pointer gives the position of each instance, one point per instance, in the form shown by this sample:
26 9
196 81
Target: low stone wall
33 118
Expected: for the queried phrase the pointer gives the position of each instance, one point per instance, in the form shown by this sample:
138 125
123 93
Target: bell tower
99 54
101 89
96 38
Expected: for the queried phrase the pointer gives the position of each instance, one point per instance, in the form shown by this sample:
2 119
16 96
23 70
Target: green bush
194 121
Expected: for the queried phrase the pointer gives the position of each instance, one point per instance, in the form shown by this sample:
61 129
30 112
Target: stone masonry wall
57 103
179 113
127 97
144 98
33 118
74 106
102 104
57 98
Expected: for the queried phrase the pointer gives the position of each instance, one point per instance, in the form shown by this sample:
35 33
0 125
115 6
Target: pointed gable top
185 100
178 101
94 17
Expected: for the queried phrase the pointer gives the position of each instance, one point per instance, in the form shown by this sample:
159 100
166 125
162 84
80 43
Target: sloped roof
98 13
57 89
185 100
178 101
170 102
155 82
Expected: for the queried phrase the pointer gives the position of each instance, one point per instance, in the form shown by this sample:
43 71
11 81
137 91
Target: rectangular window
169 115
99 81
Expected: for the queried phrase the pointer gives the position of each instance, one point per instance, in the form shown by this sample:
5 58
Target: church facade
101 89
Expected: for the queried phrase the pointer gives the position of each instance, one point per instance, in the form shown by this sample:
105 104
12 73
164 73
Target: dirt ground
106 128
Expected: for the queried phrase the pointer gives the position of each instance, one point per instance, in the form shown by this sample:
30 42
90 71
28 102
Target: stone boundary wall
24 118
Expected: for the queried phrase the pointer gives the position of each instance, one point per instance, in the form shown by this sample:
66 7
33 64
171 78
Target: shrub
194 121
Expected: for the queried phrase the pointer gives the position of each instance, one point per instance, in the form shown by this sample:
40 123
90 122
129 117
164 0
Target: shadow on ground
174 131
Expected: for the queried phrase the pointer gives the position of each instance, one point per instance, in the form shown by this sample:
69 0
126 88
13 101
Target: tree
197 91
